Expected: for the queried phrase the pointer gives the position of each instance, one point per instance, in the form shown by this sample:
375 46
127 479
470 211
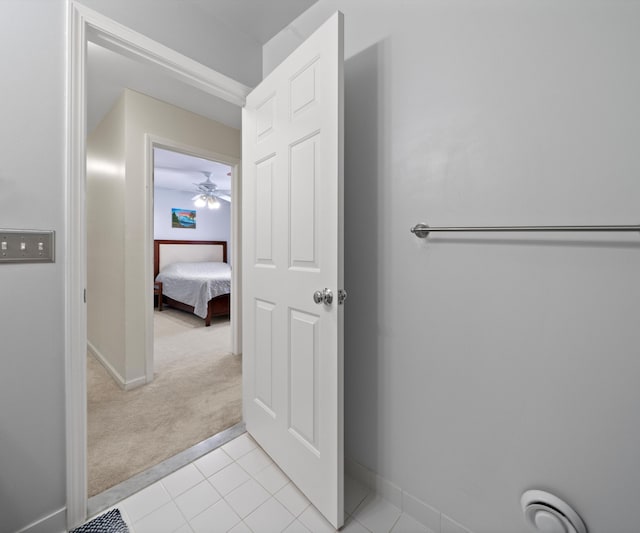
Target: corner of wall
105 257
290 37
430 517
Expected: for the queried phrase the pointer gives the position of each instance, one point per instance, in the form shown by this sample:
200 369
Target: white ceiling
177 171
258 19
108 73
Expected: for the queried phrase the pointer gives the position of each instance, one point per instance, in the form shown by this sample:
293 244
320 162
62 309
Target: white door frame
154 141
84 25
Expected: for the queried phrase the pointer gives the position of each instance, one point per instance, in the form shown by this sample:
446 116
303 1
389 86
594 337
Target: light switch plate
27 246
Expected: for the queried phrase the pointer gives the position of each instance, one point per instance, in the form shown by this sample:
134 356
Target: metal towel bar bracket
422 230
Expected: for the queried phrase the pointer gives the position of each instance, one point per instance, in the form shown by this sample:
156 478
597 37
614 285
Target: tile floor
237 488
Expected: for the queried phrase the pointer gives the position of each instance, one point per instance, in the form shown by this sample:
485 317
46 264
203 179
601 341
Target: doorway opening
313 463
194 386
223 335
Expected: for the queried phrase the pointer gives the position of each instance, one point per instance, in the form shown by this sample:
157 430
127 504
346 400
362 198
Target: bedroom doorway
154 144
177 177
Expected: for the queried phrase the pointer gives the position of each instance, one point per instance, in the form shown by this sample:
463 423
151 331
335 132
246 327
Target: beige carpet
196 393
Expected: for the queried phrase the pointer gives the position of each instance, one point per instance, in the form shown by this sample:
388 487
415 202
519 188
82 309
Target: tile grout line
396 521
224 497
271 495
174 503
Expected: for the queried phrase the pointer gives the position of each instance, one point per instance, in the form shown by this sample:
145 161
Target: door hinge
85 295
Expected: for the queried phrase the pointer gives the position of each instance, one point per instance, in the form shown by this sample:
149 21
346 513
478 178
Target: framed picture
183 218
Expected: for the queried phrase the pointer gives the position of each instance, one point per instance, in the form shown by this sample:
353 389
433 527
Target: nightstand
157 291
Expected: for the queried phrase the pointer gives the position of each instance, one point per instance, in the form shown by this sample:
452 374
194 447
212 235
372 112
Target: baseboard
122 383
135 383
56 522
430 517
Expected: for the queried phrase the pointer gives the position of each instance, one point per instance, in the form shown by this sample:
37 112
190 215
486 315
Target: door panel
292 247
264 212
264 355
303 377
303 195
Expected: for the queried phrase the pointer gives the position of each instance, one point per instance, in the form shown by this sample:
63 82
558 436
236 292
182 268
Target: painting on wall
183 218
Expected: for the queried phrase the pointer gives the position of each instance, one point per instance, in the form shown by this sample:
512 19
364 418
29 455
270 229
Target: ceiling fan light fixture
209 193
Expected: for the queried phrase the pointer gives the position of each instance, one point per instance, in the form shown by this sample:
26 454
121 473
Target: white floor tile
316 523
377 514
184 529
197 499
240 446
239 480
354 494
247 497
219 518
144 502
292 499
182 480
241 528
123 513
166 519
254 461
406 524
229 478
213 462
297 527
270 517
271 478
353 526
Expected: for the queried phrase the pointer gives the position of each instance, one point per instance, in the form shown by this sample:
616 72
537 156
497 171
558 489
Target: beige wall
144 116
106 179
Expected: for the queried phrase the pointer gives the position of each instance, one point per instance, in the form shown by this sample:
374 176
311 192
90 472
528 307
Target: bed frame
169 251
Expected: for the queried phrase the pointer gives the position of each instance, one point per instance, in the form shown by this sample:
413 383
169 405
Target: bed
195 276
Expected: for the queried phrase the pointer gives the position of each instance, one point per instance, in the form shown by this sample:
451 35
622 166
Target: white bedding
195 283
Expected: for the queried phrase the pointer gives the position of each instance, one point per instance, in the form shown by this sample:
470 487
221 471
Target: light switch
27 246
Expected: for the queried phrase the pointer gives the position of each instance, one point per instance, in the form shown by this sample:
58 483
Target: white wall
106 217
32 451
211 224
481 366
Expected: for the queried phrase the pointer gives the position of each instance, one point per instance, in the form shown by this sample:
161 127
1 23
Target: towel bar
422 230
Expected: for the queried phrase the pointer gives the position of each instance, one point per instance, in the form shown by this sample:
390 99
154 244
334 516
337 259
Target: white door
292 152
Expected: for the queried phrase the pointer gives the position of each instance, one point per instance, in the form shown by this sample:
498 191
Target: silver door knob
325 296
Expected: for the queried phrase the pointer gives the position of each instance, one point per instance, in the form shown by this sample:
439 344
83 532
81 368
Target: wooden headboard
170 251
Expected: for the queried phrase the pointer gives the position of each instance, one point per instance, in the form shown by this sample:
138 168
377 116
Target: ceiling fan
209 194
